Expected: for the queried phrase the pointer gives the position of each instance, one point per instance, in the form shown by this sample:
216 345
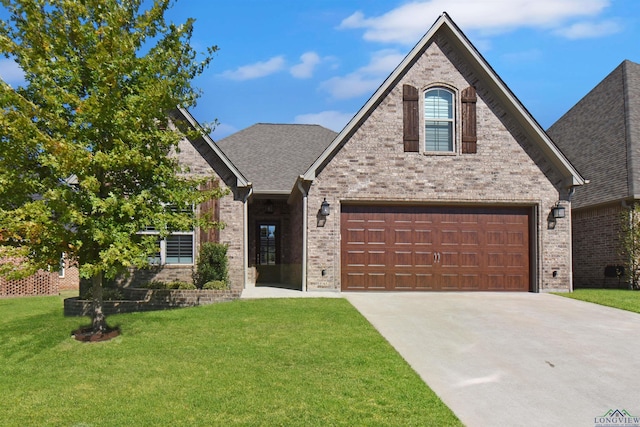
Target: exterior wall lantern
557 212
268 208
324 208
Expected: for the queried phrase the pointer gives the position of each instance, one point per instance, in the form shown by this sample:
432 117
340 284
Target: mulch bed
86 334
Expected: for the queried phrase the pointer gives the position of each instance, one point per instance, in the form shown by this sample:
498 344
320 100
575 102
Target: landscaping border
152 300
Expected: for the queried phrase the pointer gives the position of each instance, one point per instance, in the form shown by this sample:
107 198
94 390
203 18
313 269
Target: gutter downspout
245 236
304 233
572 190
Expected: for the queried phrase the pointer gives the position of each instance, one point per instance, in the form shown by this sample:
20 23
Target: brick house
442 181
43 282
601 136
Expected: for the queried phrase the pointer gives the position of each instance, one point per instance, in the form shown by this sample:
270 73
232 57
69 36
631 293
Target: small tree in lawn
630 242
86 150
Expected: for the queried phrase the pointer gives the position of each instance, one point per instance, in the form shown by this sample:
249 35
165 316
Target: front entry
268 252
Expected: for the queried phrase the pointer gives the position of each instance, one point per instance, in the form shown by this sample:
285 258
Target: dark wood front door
268 252
435 248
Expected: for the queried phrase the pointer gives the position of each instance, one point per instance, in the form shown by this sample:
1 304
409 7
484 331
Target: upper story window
439 120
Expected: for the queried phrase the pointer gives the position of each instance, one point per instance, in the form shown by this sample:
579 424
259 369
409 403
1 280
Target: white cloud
11 72
333 120
304 69
585 30
409 22
365 79
530 55
256 70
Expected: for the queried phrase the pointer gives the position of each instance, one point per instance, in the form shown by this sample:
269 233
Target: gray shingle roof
601 136
272 156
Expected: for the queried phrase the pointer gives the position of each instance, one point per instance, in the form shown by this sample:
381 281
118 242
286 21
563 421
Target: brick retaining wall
152 300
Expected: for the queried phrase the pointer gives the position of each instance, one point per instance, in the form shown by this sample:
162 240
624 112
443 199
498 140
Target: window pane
438 104
155 258
438 120
179 249
439 136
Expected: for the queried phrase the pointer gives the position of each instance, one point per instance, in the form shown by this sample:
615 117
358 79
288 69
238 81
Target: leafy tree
86 147
630 243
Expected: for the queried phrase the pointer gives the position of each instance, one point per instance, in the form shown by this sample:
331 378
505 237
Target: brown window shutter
411 119
469 128
213 208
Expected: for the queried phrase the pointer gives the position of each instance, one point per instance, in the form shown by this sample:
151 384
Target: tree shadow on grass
25 338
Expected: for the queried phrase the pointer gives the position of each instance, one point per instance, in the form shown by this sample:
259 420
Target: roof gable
474 59
212 154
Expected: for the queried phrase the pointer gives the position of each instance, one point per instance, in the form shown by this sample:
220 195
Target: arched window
438 119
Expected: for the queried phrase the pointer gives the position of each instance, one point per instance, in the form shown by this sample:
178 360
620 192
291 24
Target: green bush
177 284
154 284
212 264
215 285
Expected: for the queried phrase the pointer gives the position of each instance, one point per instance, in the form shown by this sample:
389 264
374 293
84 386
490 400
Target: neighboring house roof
227 171
601 136
512 105
273 156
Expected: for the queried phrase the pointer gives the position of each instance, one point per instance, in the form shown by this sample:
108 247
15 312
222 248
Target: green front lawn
619 298
259 362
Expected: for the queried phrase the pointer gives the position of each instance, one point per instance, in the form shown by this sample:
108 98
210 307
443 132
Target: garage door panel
422 237
376 280
376 236
355 259
449 259
435 248
403 259
469 259
354 236
423 259
405 281
402 236
377 258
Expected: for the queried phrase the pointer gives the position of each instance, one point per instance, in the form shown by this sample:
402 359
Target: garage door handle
436 257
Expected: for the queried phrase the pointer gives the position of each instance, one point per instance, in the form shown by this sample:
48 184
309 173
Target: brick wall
41 283
231 213
152 300
596 244
70 277
592 134
372 166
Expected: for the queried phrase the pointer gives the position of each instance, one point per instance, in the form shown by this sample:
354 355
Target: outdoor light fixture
557 212
324 208
269 207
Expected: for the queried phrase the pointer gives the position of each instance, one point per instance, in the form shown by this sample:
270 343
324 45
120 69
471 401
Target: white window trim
63 262
454 122
163 244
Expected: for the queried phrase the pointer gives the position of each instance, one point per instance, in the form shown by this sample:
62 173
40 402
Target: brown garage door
435 248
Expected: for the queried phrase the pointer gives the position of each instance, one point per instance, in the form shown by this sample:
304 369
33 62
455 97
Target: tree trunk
99 322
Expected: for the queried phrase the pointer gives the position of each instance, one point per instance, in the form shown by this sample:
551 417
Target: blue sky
318 61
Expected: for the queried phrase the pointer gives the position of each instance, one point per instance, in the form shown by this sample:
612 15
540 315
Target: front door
268 252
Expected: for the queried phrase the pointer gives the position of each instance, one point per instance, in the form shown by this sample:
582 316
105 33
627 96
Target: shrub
177 284
154 284
212 264
216 285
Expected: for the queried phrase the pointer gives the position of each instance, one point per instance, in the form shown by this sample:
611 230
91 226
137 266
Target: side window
439 120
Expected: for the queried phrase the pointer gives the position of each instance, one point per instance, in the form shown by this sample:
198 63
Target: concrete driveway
515 359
